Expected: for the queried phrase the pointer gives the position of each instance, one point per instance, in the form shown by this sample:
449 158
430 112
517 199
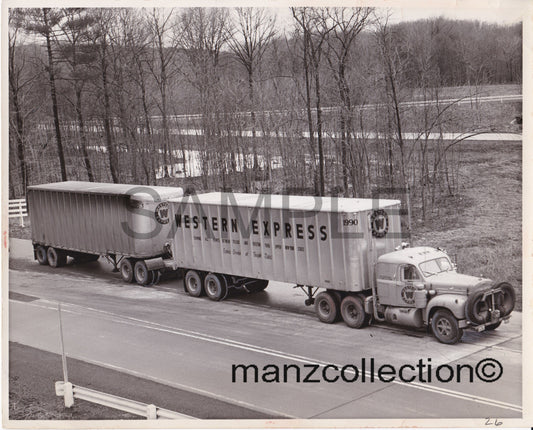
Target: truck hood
453 282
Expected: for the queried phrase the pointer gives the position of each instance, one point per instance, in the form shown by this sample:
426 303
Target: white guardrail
151 412
18 209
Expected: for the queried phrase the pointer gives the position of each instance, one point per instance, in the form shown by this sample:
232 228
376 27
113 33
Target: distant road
328 109
94 126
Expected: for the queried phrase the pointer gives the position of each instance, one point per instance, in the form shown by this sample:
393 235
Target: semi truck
125 224
347 255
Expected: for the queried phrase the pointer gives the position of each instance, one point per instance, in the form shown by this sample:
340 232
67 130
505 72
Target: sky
502 12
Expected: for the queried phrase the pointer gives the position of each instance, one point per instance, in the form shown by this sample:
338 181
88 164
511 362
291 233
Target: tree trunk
107 121
319 131
83 136
53 94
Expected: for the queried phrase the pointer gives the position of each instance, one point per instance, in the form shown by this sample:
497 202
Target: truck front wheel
353 312
327 307
445 327
193 283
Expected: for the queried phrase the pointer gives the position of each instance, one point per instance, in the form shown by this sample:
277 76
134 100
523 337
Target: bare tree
315 26
101 42
164 47
348 23
255 28
203 34
44 22
392 69
73 48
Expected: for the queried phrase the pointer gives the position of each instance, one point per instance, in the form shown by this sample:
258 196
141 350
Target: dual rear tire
55 257
330 308
136 271
213 285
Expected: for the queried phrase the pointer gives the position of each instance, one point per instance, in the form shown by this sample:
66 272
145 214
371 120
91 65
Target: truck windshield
432 267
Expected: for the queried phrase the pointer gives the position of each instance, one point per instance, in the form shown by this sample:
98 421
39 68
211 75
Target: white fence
18 209
151 412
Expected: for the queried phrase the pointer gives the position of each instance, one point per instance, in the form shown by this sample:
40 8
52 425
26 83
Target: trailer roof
139 192
276 201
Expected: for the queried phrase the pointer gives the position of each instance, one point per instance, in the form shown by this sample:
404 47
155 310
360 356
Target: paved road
162 334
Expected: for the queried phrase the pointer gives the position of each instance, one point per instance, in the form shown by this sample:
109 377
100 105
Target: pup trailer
348 249
127 224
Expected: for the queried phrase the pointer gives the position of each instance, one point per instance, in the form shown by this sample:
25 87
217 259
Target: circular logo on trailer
161 213
379 221
408 294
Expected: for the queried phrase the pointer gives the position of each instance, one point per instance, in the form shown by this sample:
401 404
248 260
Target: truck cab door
386 282
408 278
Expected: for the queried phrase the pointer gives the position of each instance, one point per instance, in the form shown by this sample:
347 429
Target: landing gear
309 292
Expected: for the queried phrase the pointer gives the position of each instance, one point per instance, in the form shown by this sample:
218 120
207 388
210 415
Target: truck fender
454 303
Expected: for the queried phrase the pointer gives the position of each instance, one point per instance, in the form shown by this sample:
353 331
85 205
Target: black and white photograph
266 215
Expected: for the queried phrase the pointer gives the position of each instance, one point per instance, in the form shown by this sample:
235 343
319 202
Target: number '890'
349 221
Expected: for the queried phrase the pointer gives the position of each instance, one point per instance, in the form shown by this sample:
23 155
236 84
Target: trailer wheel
141 273
126 270
56 257
193 283
445 327
215 287
353 312
327 307
40 254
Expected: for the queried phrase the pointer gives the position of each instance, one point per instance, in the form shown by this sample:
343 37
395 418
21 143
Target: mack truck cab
420 287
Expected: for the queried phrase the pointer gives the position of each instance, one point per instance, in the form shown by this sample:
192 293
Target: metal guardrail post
151 412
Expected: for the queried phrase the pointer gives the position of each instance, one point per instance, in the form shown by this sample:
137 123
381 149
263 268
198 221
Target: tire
40 255
491 327
215 287
257 286
353 312
56 257
126 270
327 307
506 301
141 273
445 327
193 283
477 310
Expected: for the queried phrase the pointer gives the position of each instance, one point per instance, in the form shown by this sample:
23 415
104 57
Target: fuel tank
404 316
